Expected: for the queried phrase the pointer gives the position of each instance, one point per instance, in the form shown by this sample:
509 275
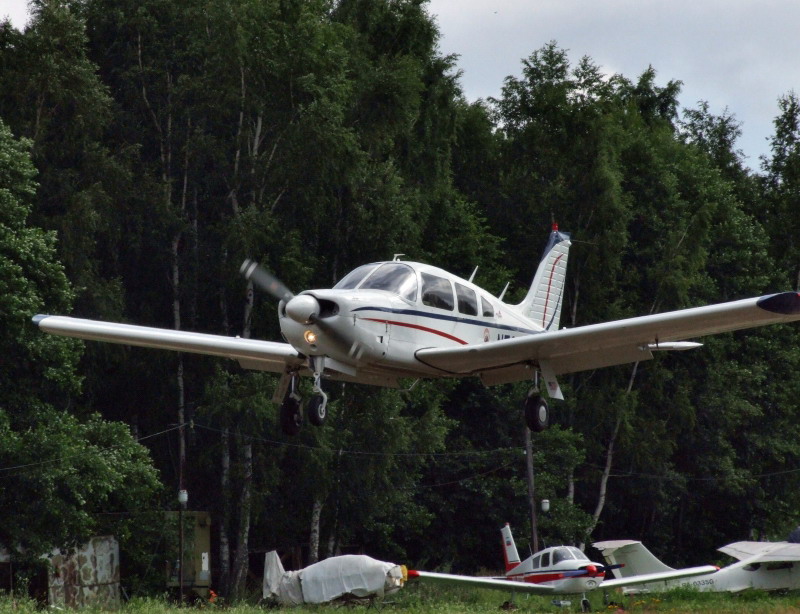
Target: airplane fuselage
364 327
564 568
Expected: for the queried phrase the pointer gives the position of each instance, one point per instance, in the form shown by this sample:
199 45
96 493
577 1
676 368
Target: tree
58 471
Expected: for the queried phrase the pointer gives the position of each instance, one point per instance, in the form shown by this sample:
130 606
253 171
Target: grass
426 599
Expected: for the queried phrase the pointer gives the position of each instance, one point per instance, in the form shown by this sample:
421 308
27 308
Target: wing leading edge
569 350
251 353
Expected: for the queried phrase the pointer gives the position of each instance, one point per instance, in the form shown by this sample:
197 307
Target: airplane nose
303 309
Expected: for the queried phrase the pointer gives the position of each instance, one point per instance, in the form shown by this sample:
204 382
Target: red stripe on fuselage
422 328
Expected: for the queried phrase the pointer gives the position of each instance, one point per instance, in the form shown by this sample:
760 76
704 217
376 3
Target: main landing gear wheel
317 410
537 414
291 414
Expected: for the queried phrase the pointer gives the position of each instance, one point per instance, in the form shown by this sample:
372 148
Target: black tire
537 413
317 410
291 416
585 605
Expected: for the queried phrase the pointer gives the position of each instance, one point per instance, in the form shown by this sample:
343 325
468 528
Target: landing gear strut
292 408
317 406
537 414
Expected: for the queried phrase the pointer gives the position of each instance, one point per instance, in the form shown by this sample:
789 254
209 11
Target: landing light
310 337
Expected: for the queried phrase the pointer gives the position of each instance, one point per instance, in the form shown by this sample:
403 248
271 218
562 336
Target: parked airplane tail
510 554
634 557
543 302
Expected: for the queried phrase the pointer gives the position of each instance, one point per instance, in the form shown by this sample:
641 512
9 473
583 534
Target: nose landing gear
291 412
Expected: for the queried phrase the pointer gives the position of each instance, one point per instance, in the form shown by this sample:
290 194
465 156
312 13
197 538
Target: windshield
355 277
578 554
561 554
393 277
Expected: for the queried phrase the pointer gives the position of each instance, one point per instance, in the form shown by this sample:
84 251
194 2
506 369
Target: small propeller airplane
559 570
396 319
765 566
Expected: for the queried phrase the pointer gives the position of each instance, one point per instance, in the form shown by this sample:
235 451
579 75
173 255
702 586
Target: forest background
147 147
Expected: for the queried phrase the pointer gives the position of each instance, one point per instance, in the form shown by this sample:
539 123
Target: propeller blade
265 280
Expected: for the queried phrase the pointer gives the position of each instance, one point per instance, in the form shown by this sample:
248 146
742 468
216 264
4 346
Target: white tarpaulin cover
351 574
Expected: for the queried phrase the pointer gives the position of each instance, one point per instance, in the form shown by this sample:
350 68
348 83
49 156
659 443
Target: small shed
87 576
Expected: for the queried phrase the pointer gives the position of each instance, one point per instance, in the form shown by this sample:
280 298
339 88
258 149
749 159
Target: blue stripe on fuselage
448 318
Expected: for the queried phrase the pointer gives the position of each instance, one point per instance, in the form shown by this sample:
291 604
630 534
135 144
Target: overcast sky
736 54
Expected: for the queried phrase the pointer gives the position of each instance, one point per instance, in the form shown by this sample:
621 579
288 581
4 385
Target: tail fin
543 302
510 554
635 558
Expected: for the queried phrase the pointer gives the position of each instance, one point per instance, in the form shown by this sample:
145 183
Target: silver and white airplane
559 570
390 320
761 565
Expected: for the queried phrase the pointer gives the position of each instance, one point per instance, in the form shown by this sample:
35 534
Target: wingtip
38 318
786 303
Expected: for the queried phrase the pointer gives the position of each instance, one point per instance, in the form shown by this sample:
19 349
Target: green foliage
174 139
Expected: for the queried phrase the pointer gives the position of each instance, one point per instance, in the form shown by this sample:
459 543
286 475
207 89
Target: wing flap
569 350
481 582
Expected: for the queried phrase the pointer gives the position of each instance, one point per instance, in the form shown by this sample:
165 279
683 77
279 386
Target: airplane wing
763 552
251 353
481 582
569 350
659 576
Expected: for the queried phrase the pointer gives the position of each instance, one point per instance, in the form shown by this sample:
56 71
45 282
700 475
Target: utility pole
531 490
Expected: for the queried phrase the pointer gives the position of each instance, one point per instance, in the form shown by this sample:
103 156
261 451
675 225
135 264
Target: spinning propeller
303 309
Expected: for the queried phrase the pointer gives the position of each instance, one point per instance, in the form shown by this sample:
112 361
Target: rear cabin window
437 292
488 310
467 300
536 562
393 277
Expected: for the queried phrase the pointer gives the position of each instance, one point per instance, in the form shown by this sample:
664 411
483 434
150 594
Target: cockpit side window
393 277
437 292
561 554
546 559
488 310
355 277
467 300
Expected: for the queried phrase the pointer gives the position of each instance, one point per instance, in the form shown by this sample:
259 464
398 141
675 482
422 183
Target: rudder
510 554
543 301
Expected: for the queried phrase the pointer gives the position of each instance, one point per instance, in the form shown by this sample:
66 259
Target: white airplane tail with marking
510 554
543 302
633 555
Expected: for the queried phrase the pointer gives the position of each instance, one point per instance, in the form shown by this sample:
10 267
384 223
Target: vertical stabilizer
510 554
635 558
543 302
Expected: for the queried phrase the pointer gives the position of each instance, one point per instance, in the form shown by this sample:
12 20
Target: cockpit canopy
552 556
393 277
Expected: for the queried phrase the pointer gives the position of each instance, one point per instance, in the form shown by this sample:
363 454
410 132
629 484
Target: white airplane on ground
761 565
390 320
560 570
